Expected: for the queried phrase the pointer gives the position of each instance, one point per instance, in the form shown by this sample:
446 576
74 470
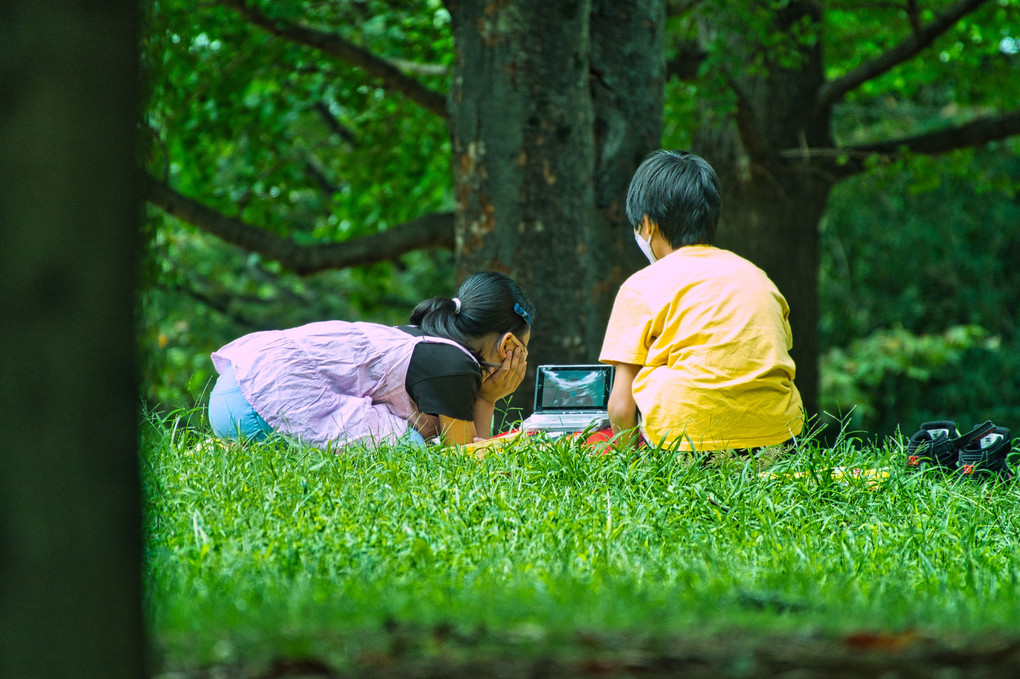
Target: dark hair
680 192
490 302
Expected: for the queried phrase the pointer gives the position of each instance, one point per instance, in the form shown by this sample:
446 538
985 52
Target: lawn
291 561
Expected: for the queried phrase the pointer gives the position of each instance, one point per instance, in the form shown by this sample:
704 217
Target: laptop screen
573 387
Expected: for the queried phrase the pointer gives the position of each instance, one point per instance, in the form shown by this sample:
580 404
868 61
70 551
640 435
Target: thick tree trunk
70 509
523 155
776 227
548 120
627 64
772 205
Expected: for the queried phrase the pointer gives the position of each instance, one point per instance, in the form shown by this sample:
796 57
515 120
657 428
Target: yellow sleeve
629 332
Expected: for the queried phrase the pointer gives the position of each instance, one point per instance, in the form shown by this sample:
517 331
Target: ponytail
437 317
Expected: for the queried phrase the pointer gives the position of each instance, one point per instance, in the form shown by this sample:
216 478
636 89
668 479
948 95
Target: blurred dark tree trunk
70 510
627 80
552 107
772 202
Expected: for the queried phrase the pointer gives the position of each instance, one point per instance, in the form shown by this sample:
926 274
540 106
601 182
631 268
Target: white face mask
646 247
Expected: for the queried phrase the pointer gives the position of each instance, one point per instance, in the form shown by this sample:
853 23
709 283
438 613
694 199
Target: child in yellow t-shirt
700 338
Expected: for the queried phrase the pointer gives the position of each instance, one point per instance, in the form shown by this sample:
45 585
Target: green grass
274 550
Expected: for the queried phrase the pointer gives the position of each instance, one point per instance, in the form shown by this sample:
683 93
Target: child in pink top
333 383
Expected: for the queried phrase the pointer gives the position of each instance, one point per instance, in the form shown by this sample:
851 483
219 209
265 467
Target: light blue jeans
230 414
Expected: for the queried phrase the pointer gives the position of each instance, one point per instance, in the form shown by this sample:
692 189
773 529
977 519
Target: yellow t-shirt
711 332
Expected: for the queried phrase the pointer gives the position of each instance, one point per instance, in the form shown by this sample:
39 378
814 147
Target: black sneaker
985 452
933 446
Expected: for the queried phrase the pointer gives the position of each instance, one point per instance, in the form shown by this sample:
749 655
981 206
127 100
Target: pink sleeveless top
328 383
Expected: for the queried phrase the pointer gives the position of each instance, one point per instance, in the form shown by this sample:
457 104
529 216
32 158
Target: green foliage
970 69
294 141
284 137
266 550
877 371
287 137
947 254
205 294
301 143
905 273
965 66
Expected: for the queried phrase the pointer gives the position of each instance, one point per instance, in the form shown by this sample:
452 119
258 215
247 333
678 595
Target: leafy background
918 280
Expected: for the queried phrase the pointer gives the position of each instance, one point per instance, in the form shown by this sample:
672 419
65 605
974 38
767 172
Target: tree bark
628 76
548 122
523 156
70 509
772 203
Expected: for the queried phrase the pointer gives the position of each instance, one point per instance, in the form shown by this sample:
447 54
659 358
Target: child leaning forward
334 383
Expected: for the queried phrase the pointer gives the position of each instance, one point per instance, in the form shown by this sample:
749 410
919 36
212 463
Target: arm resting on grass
498 384
457 432
483 417
462 432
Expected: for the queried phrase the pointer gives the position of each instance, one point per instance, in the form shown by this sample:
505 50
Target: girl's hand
505 379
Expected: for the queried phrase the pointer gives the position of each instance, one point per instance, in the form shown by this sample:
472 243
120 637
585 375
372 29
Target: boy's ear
650 226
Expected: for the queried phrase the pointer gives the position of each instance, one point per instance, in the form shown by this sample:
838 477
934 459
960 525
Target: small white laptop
570 398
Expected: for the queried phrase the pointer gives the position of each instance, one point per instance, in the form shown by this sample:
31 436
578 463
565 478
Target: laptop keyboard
566 421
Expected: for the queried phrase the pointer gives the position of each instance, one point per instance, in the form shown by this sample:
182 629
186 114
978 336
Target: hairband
523 314
456 304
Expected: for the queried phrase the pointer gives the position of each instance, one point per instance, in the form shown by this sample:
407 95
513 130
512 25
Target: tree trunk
776 227
628 74
772 205
70 509
550 112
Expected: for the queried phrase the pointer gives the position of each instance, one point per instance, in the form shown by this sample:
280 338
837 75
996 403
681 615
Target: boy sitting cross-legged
700 337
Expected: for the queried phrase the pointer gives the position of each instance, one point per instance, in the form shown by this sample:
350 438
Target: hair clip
456 305
522 313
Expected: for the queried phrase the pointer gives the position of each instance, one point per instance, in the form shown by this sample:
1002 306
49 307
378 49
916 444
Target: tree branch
220 304
974 133
429 231
334 125
836 89
333 44
675 8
